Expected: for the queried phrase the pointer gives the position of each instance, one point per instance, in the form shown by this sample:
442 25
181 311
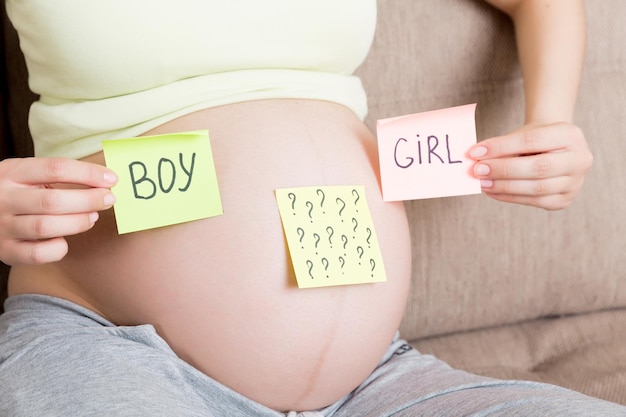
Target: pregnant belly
222 291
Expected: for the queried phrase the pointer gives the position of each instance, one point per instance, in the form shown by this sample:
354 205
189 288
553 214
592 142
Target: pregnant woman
199 319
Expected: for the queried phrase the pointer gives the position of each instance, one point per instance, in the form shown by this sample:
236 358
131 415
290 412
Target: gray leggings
59 359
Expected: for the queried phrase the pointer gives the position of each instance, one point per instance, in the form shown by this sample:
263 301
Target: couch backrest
478 262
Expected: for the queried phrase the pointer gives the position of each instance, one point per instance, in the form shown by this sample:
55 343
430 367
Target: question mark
310 264
369 235
301 234
339 200
310 206
345 239
355 222
331 233
292 197
317 239
342 261
319 190
373 263
361 251
325 263
358 197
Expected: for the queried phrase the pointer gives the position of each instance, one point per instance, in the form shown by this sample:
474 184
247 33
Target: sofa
500 290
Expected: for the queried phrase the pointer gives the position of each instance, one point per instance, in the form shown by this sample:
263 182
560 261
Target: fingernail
486 183
478 151
110 177
482 169
109 200
93 217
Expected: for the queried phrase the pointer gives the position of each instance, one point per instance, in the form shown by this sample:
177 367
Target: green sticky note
163 180
331 236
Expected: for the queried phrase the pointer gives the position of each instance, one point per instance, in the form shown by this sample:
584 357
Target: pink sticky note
425 155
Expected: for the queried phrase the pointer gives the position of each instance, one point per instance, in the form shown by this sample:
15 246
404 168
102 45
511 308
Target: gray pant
59 359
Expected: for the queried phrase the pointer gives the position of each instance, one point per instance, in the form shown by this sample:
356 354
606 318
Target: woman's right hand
44 199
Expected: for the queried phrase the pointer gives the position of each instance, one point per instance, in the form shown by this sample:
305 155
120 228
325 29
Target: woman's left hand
538 165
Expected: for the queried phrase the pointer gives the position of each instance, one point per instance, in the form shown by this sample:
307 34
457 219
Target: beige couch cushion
586 353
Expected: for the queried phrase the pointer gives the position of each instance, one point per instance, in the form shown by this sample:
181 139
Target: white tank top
117 68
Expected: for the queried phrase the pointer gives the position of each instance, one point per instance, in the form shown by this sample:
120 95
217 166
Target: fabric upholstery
584 352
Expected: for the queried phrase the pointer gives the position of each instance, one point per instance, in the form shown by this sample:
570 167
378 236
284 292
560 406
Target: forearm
551 42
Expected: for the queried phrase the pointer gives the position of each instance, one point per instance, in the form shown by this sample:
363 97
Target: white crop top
118 68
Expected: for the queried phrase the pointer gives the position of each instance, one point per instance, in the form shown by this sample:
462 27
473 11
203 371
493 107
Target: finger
58 201
543 187
36 171
545 165
36 252
47 227
529 141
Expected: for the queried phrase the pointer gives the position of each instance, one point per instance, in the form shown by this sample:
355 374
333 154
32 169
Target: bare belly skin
221 291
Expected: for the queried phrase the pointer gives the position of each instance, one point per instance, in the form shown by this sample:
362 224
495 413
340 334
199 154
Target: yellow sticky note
331 236
163 180
425 155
